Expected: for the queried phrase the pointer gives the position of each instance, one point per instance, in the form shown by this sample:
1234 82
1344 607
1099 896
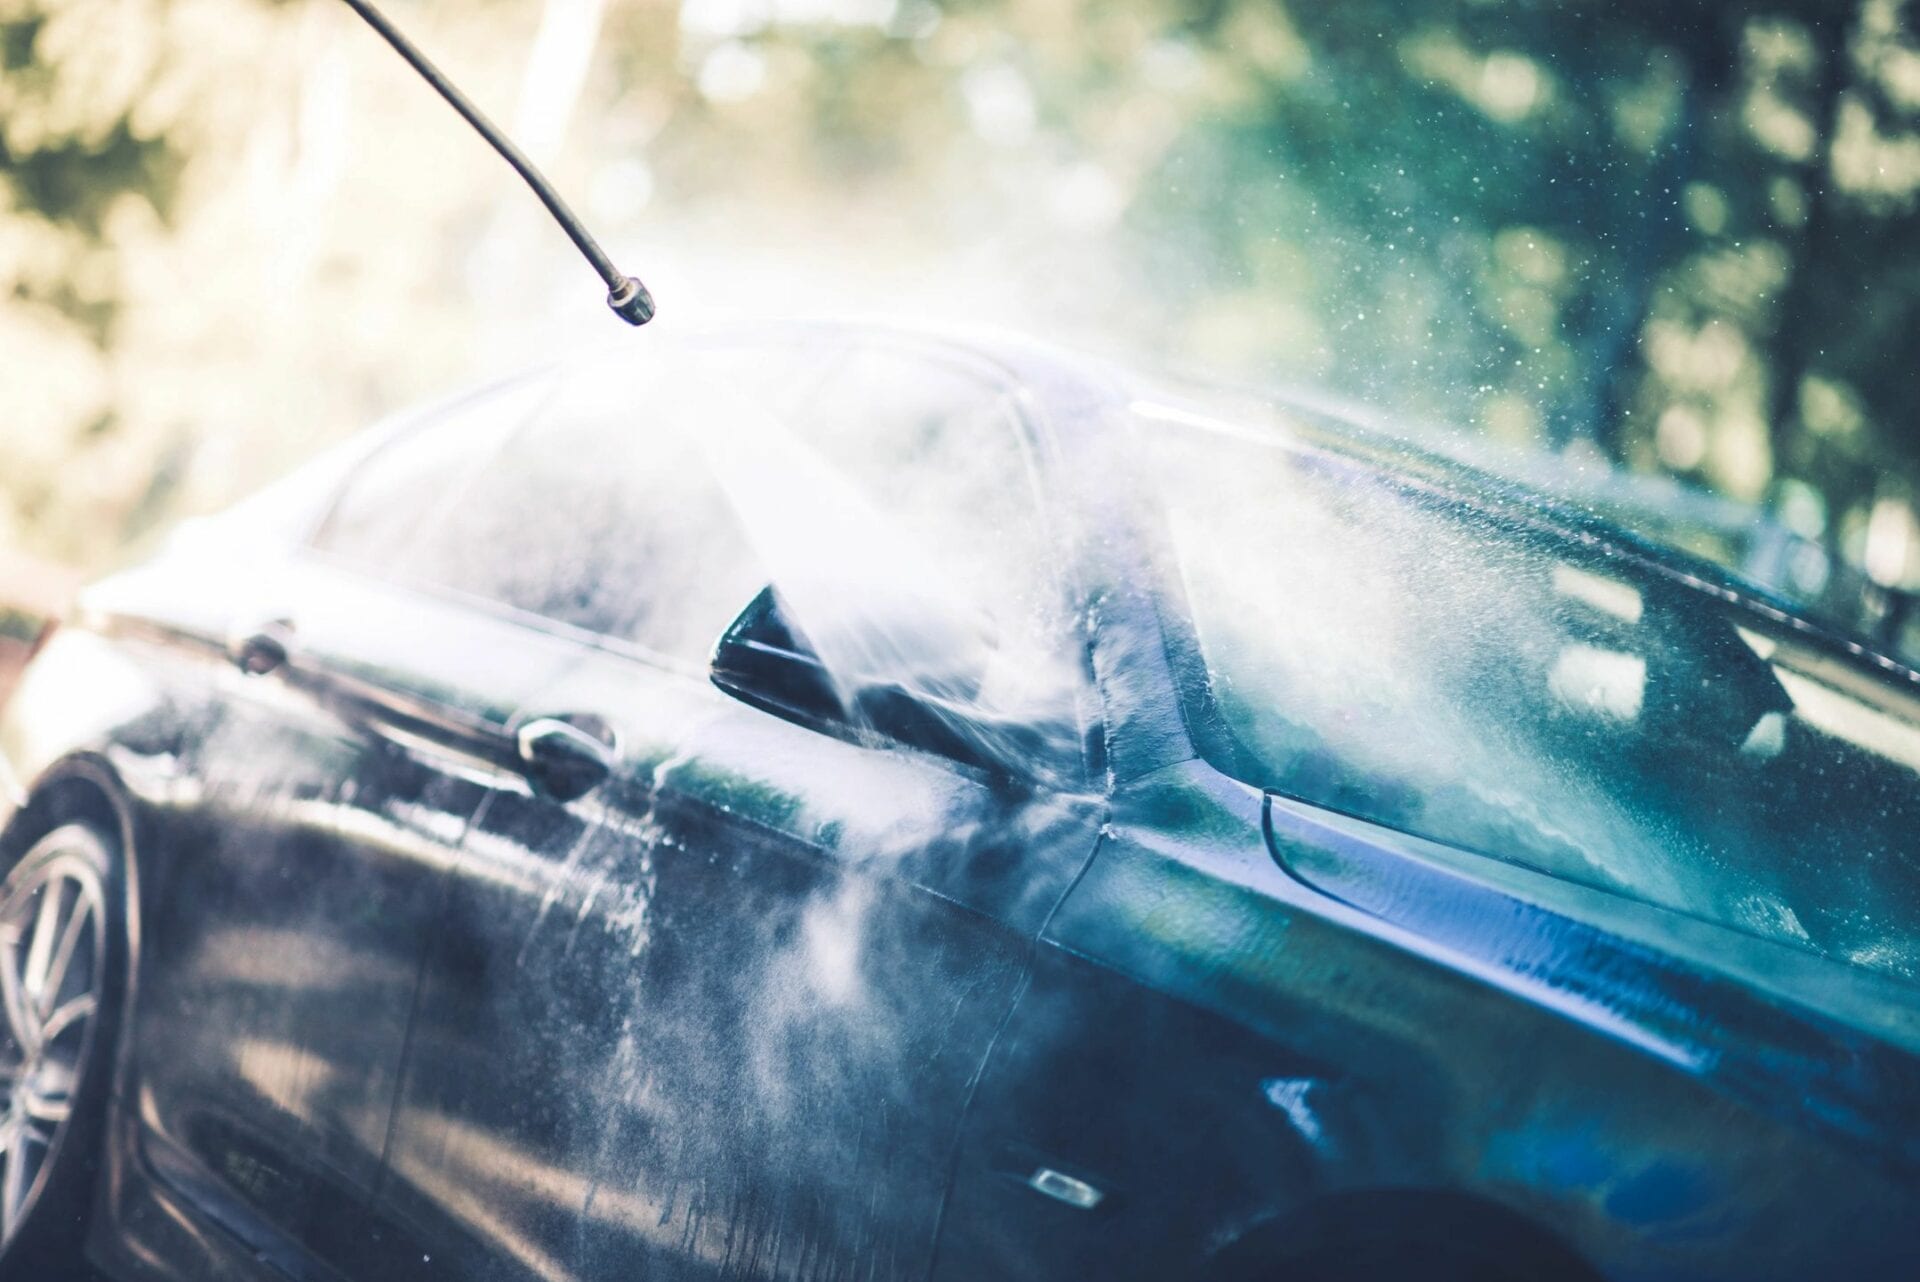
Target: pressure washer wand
627 297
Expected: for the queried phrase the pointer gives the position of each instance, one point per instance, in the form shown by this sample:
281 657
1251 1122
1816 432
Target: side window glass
602 513
650 500
414 480
935 455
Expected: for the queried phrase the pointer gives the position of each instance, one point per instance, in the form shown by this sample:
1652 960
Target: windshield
1389 652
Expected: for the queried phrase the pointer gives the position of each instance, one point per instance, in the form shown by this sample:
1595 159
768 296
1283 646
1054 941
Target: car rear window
1382 651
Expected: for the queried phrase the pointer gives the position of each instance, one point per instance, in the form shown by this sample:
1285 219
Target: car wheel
61 960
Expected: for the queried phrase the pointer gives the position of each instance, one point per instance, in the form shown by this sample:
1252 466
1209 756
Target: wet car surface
819 802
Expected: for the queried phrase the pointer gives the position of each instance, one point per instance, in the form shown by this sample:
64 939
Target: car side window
578 499
414 479
652 506
602 513
1392 654
939 449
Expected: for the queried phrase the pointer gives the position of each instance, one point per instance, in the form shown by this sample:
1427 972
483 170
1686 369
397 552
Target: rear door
720 1016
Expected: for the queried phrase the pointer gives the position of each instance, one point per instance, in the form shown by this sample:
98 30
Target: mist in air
1610 242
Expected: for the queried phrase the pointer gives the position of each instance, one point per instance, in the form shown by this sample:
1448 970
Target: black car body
1123 842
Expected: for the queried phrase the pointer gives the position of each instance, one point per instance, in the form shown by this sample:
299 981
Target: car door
720 1016
359 724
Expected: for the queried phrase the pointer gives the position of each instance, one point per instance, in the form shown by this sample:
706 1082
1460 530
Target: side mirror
760 660
766 661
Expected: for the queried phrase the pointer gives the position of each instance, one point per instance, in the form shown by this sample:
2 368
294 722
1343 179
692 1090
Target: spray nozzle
630 301
627 297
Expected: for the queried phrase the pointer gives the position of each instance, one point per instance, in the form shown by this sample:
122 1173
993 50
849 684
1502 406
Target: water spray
627 297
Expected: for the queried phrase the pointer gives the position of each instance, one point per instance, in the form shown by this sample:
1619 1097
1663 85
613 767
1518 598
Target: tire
62 976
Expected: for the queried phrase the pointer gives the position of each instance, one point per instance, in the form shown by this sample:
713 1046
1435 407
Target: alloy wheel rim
52 960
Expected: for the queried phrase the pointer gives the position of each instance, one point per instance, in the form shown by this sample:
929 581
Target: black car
817 802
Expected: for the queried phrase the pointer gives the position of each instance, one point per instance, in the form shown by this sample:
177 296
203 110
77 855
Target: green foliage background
1682 238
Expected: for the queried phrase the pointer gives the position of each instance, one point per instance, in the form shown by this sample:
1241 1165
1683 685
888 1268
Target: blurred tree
75 142
1682 234
83 154
170 174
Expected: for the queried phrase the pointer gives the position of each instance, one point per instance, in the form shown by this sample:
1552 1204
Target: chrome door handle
262 649
560 759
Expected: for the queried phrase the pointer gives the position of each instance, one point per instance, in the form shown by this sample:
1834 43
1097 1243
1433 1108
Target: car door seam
1032 953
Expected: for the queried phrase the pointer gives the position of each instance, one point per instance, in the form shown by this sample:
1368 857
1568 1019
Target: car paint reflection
775 1001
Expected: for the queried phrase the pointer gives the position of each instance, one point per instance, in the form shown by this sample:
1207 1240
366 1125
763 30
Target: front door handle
561 759
262 649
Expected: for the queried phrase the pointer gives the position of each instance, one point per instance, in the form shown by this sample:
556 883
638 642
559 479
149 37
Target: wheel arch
1441 1218
85 788
81 787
